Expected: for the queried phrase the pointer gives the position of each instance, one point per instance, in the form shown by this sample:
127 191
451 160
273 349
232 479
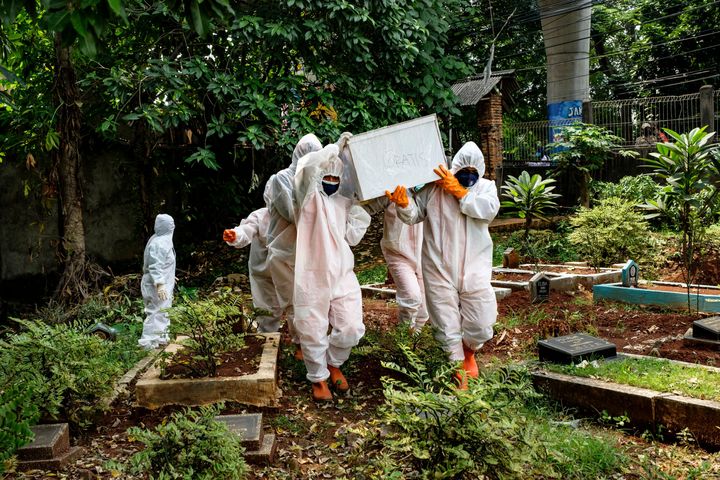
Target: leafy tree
239 99
62 25
582 149
531 197
687 199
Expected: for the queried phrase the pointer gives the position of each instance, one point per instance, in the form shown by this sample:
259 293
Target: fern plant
191 446
450 433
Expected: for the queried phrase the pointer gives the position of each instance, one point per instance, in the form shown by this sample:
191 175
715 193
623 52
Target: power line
619 52
647 22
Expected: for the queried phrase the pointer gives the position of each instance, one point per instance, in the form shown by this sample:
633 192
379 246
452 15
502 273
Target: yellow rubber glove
398 197
449 183
229 235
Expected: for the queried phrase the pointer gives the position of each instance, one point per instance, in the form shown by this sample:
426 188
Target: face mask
467 178
330 187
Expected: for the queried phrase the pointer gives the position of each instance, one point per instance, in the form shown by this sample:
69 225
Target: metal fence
624 117
716 109
524 143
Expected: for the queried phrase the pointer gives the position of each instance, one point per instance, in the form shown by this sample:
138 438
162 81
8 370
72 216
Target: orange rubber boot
469 364
321 392
338 380
298 353
461 377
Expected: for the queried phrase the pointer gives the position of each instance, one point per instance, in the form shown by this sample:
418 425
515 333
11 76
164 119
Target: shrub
191 446
546 245
634 189
450 433
209 325
69 370
611 232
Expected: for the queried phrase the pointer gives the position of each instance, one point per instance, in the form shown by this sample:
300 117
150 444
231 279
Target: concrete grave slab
267 452
644 407
663 298
378 290
259 389
595 396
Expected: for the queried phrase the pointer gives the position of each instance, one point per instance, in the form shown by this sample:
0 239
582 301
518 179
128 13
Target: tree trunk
584 180
68 164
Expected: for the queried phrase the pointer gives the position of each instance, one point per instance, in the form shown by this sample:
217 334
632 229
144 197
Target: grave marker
511 259
539 288
50 449
574 348
248 427
707 328
630 274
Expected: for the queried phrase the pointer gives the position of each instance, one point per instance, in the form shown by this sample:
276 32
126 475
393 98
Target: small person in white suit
158 282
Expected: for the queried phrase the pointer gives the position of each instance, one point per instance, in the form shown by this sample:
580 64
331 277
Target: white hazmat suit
253 231
158 282
457 256
281 229
327 292
401 245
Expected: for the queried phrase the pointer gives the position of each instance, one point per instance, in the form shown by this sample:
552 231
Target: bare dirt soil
232 364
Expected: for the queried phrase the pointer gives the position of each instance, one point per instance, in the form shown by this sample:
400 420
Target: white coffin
401 154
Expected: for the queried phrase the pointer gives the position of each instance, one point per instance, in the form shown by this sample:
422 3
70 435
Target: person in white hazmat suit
281 231
457 254
158 282
401 245
253 231
327 293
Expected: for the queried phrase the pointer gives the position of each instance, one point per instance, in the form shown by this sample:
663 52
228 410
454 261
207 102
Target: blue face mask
330 187
467 178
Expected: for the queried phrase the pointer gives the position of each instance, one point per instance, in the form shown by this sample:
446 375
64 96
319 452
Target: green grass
577 454
517 319
375 274
655 374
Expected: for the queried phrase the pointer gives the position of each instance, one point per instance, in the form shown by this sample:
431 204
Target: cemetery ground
346 439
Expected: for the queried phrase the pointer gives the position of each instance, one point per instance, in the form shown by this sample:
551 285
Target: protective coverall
157 283
253 231
281 228
401 245
457 256
327 292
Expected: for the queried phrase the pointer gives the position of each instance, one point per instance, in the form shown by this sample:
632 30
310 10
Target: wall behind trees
29 224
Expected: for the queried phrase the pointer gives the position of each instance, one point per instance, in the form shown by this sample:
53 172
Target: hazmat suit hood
469 156
164 224
311 170
307 144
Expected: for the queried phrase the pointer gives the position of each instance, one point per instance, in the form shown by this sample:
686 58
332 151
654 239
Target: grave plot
583 273
519 279
651 392
387 291
704 298
258 388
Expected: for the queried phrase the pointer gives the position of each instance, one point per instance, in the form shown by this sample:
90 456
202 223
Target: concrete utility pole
566 31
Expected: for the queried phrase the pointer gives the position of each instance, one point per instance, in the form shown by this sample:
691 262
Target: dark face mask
467 178
330 188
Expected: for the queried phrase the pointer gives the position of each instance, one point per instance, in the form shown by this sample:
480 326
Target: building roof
473 89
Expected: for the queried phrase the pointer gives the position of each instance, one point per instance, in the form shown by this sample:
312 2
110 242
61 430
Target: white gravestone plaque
401 154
